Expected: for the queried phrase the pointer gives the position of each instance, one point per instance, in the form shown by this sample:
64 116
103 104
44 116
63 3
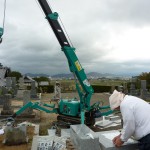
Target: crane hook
1 34
1 40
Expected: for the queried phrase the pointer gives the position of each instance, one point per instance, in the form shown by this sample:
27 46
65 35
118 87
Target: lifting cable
2 29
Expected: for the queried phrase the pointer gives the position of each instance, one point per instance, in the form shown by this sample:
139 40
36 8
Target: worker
136 121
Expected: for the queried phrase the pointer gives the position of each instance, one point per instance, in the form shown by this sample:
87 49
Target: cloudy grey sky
110 36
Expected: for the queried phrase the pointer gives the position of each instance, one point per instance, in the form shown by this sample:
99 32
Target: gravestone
2 100
143 85
7 109
1 91
143 89
1 97
8 82
14 86
21 89
28 113
144 92
21 84
33 93
4 90
26 99
57 91
133 90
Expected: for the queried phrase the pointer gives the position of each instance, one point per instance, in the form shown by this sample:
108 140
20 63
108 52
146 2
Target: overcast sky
110 36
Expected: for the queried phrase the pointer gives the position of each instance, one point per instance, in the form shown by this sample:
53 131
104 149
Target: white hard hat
115 99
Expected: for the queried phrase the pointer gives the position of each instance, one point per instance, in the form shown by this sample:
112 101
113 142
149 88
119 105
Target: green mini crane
70 110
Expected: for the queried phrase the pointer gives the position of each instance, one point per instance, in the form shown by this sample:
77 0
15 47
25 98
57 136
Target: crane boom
69 51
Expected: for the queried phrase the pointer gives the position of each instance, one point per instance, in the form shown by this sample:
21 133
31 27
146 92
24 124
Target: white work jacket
136 118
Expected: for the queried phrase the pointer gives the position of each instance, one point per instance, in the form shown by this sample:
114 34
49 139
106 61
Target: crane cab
70 107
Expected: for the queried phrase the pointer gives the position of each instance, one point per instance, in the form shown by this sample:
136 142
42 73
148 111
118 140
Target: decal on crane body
78 66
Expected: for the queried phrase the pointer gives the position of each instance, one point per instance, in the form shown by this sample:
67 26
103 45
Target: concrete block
15 135
51 132
105 139
65 132
84 138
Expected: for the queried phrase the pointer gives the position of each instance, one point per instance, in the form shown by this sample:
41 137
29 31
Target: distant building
28 80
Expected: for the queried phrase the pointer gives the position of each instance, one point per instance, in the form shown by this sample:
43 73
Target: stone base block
15 135
84 138
25 115
106 137
7 112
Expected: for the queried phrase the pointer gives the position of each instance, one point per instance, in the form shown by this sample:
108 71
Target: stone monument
14 86
57 91
26 99
144 92
21 84
28 113
8 82
33 93
7 109
21 89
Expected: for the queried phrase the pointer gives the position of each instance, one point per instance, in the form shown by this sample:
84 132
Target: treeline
97 88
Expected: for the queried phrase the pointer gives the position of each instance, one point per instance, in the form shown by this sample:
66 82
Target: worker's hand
117 141
115 138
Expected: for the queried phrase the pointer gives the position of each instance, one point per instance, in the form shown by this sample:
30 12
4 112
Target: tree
15 74
145 76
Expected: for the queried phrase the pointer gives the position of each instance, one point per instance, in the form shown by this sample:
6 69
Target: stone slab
48 143
65 132
105 139
42 143
112 117
84 138
104 123
51 132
